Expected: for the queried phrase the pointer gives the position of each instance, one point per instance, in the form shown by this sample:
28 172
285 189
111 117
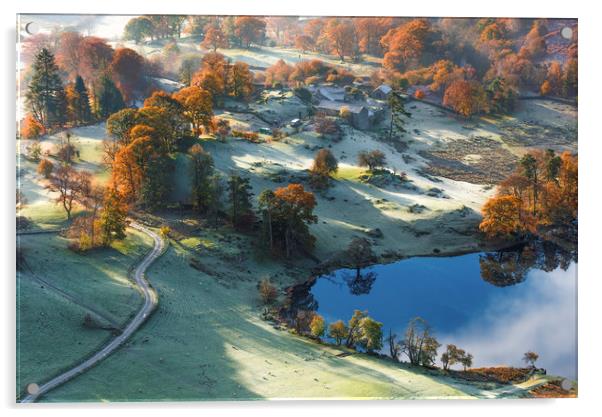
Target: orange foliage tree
466 98
198 107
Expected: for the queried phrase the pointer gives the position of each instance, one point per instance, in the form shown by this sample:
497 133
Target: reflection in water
510 267
360 283
495 305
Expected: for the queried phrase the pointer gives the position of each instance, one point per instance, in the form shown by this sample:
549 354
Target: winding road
150 302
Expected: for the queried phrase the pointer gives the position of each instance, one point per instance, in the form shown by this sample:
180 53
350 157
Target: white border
590 149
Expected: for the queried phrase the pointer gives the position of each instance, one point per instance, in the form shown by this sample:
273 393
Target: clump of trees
221 78
541 192
454 355
286 213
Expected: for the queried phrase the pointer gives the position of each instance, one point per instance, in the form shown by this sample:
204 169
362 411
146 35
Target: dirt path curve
150 302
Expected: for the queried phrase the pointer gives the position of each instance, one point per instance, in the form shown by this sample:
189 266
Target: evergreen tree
201 171
214 197
398 111
109 98
83 112
46 95
240 194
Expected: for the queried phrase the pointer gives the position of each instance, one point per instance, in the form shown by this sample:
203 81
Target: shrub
267 292
250 136
45 168
31 128
419 94
164 231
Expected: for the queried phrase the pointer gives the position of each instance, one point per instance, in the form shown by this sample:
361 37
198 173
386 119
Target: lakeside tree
317 326
239 196
541 192
45 96
371 159
371 335
353 328
394 347
267 292
419 344
338 331
291 212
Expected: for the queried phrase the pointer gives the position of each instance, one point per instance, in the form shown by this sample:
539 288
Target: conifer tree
109 98
46 95
239 191
398 111
83 113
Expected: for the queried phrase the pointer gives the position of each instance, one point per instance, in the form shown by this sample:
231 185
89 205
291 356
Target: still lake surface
496 322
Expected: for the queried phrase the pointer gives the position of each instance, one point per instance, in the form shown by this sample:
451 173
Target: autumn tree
31 128
371 159
239 196
354 332
240 81
278 74
95 56
369 31
70 185
250 30
197 105
127 69
326 126
324 165
215 38
304 43
341 37
466 98
113 217
406 45
188 67
293 212
45 96
45 168
317 326
68 52
338 331
371 338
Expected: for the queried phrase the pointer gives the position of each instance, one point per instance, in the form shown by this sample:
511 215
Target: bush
250 136
31 128
45 168
164 231
267 292
419 94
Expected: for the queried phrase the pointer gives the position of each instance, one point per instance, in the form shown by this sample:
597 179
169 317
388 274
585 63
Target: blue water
496 324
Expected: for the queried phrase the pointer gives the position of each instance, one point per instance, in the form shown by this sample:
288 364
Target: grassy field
206 341
57 288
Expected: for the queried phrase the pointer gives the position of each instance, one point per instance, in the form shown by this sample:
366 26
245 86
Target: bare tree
71 186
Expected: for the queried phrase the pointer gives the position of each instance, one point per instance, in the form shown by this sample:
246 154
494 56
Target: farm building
360 115
382 92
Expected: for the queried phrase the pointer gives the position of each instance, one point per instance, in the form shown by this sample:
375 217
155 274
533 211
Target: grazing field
206 341
57 288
